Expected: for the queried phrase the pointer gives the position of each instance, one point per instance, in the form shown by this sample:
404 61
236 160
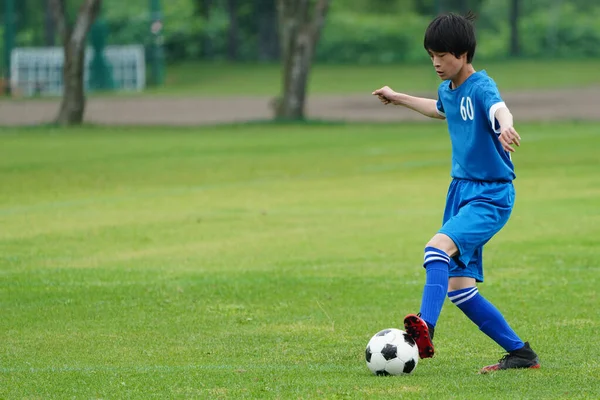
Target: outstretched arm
508 134
422 105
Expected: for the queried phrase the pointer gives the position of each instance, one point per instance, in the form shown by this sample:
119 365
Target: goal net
37 71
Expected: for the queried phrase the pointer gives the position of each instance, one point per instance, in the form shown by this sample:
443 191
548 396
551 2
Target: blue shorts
475 212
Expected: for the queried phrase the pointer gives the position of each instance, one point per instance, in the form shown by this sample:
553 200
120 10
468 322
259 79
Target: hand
509 136
385 94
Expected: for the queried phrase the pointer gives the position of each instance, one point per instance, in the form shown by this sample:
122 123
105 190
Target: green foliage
2 63
372 39
373 7
128 22
363 31
433 7
255 262
562 31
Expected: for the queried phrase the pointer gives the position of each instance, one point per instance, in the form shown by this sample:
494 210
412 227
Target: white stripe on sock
460 295
466 298
430 253
430 259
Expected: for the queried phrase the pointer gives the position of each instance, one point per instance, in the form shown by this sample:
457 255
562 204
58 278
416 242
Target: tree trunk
233 37
74 37
515 48
299 34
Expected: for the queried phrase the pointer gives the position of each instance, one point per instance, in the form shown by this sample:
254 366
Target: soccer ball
392 352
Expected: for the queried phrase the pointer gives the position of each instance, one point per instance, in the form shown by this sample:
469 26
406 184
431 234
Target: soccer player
481 194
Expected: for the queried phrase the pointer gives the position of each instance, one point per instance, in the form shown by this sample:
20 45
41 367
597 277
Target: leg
460 282
464 294
444 243
438 252
474 212
421 327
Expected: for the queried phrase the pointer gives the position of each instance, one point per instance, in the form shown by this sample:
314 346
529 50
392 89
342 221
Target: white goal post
37 71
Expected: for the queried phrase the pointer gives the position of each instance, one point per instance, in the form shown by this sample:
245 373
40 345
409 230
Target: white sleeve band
493 110
443 114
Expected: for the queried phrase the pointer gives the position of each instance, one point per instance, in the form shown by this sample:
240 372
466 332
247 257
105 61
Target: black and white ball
391 352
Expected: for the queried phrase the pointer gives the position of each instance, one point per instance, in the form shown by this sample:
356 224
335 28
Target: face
446 64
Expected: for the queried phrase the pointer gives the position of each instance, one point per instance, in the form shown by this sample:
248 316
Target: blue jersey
477 154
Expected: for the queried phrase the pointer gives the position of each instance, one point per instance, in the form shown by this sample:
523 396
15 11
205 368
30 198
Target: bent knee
444 243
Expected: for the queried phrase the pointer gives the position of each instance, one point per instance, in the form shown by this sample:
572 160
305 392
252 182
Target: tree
515 48
74 43
298 35
233 36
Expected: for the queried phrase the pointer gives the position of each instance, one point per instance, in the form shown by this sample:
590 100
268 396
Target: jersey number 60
466 109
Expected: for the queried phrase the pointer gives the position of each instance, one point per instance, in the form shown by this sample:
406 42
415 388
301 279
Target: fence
38 71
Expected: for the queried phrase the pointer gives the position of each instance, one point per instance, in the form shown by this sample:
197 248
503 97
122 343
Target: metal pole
156 29
9 39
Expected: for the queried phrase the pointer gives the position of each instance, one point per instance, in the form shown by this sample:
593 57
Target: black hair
452 33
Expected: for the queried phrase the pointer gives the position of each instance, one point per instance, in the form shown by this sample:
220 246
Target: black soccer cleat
524 357
419 331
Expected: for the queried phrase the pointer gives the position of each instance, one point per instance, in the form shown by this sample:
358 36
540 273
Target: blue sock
436 284
487 317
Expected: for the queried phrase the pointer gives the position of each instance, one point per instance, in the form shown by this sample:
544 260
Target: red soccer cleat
418 330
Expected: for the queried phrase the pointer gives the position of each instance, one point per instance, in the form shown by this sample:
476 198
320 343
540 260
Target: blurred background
232 47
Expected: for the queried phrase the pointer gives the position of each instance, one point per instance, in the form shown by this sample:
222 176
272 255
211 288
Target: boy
481 195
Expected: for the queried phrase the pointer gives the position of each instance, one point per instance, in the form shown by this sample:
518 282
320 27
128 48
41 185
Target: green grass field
256 261
226 79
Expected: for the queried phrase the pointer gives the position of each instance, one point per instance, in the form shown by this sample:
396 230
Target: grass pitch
222 79
256 261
